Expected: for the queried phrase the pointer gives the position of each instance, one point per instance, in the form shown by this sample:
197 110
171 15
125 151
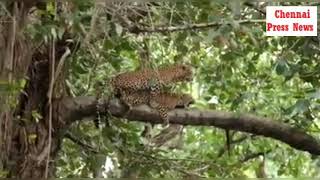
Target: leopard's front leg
162 110
127 100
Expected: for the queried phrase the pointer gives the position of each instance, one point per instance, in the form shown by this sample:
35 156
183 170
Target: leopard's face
185 100
188 98
183 72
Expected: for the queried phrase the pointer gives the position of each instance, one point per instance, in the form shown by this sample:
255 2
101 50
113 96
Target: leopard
163 102
150 79
145 87
169 101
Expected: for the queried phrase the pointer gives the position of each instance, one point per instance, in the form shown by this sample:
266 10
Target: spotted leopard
163 102
145 86
169 101
149 79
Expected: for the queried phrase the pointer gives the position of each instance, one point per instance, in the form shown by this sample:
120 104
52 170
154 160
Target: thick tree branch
80 107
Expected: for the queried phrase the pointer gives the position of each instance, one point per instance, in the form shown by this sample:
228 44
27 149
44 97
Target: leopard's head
183 72
185 100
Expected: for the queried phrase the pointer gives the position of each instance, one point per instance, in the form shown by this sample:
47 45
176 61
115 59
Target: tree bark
77 108
24 131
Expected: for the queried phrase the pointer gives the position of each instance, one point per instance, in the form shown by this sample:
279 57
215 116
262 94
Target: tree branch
71 110
251 5
254 155
80 143
233 142
190 26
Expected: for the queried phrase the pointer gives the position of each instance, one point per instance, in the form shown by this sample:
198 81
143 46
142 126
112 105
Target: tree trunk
24 113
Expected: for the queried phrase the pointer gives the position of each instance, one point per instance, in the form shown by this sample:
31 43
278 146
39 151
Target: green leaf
182 49
315 95
108 44
282 67
301 106
36 116
182 36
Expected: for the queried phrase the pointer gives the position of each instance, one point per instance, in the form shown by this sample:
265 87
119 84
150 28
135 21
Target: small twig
50 105
254 155
5 9
10 56
314 4
198 161
92 52
176 165
61 62
187 172
224 148
80 143
191 26
255 7
50 91
93 22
